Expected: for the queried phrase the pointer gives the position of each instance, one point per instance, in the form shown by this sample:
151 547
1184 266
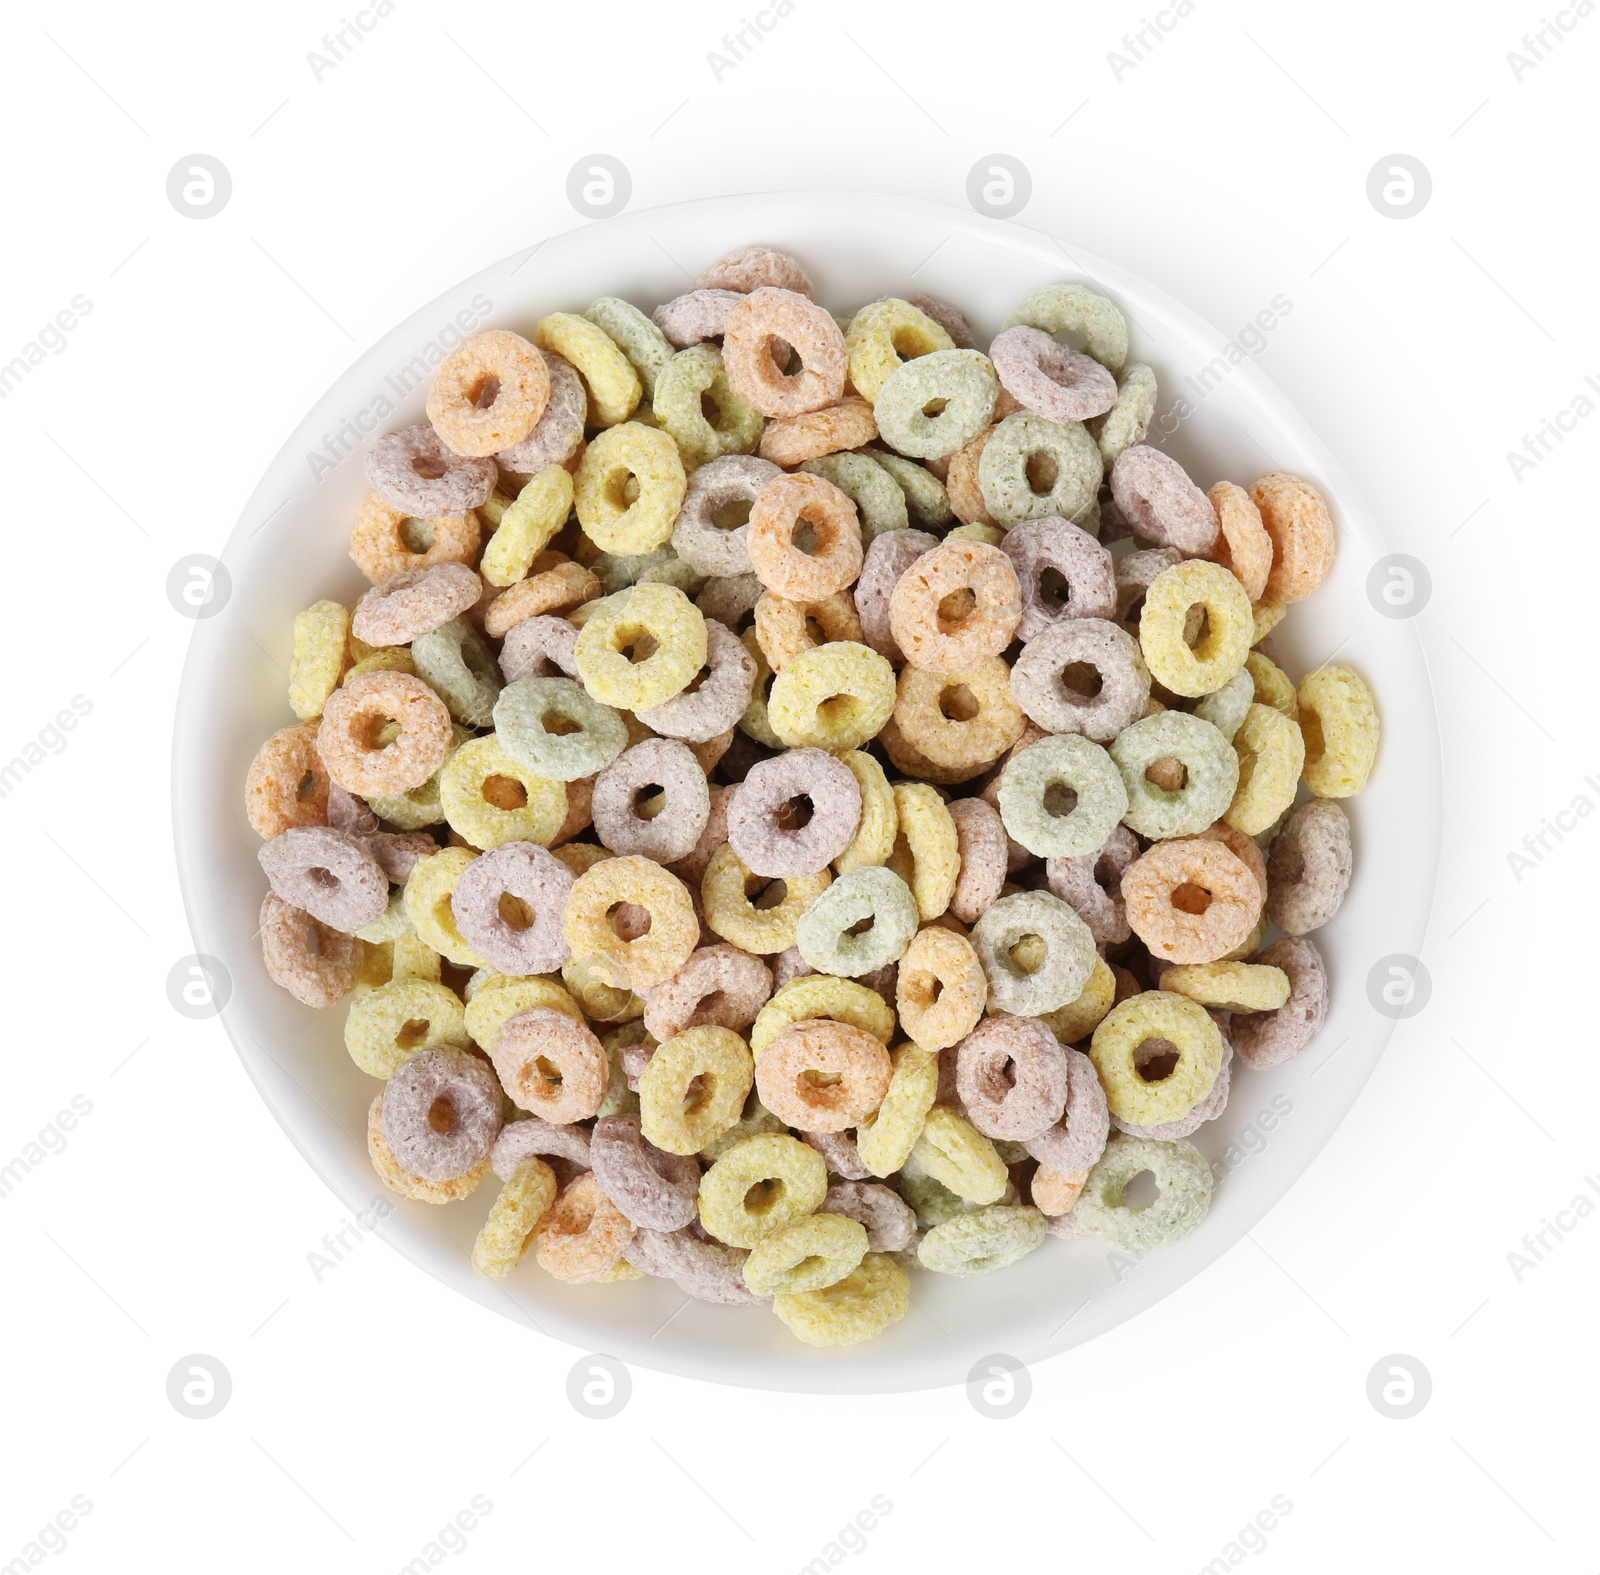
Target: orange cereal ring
1243 545
287 784
940 988
961 480
553 591
957 718
823 1076
314 962
783 627
1191 900
782 509
748 268
551 1065
955 606
649 959
382 546
488 394
1303 538
848 424
584 1235
357 714
756 326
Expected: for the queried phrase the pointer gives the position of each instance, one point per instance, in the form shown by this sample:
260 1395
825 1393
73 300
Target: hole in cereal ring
622 489
935 407
958 703
837 713
638 645
861 926
629 920
732 514
1083 679
547 1069
515 912
1169 774
1028 954
1311 731
956 607
555 722
325 879
442 1114
768 897
1196 626
1059 799
805 537
1053 588
763 1195
784 357
1042 471
505 793
1140 1191
815 633
485 394
1189 898
709 408
815 1079
1156 1060
700 1090
796 813
649 801
411 1033
418 535
307 783
429 466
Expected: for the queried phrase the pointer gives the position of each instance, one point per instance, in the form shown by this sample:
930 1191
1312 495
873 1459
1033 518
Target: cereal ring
785 508
479 789
287 784
1184 1184
1340 726
412 603
680 801
381 1034
1220 653
748 268
636 336
783 627
719 986
1078 1139
514 1216
557 436
562 586
1076 309
759 1186
763 827
961 383
1243 545
981 842
457 665
1062 953
888 1221
705 536
526 527
313 961
885 333
964 494
651 958
1271 751
489 393
542 647
1211 774
583 1236
1229 986
838 1151
321 636
1128 420
381 543
795 439
726 685
441 1113
398 1179
886 560
827 935
594 735
692 866
1264 1039
1310 866
1158 1055
328 874
1091 885
1271 686
1050 379
1064 457
1011 1075
983 1241
1225 708
662 628
551 1065
614 386
756 326
414 470
959 1157
941 988
806 1255
1050 678
955 718
507 905
497 1000
822 996
628 489
955 606
927 503
1063 767
859 1307
655 1190
696 316
1295 516
821 1076
692 380
529 1138
1134 574
429 894
1063 572
1161 503
927 852
834 697
1192 900
767 924
885 1139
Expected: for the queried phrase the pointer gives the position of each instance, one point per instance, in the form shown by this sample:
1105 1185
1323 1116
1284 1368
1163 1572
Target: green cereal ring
961 382
1021 440
636 336
1033 779
1225 708
872 892
1080 313
617 571
1184 1180
1053 968
875 493
1211 774
982 1241
522 718
927 503
420 806
1127 421
458 666
931 1200
692 377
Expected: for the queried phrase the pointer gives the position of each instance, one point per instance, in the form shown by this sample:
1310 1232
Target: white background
369 1406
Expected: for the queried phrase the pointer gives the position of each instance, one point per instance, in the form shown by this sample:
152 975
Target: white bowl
290 548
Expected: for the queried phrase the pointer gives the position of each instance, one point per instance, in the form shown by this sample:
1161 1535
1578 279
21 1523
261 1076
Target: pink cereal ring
532 884
839 1153
533 1138
748 268
654 1189
441 1113
888 1218
727 680
415 602
982 844
691 868
540 647
1011 1075
769 317
1091 885
889 555
331 876
314 962
558 434
1078 1139
759 828
1063 571
652 766
1162 504
720 986
1051 379
693 318
1271 1038
416 471
540 1038
706 1270
356 715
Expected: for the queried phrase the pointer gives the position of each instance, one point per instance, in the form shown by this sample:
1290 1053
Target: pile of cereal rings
755 815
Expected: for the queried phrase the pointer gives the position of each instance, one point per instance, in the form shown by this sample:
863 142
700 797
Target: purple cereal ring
730 599
789 965
720 986
350 814
1163 505
535 1138
536 883
888 1218
654 769
314 962
1271 1038
748 268
1042 679
1011 1074
982 845
950 318
1078 1139
441 1112
706 1270
1050 550
654 1189
839 1153
696 316
1091 885
1052 380
699 536
757 829
559 431
1207 1110
722 698
888 556
691 868
540 647
328 874
416 471
415 602
1134 576
1309 870
397 852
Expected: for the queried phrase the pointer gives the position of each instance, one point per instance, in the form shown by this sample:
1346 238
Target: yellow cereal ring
601 1002
428 890
759 1186
501 997
834 697
692 379
397 1178
859 1307
1162 623
636 619
392 659
649 959
885 333
1273 686
885 1139
1264 618
927 852
321 637
767 924
813 1253
479 786
378 1032
1340 724
961 1158
514 1217
1229 986
822 995
629 488
1118 1043
1272 753
614 387
880 820
1078 1019
527 525
755 721
411 957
